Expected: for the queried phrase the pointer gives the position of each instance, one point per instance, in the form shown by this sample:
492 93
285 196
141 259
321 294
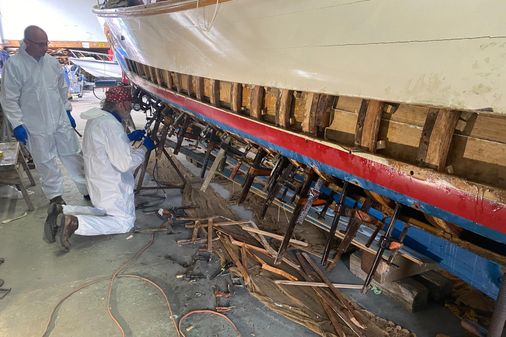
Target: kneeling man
109 164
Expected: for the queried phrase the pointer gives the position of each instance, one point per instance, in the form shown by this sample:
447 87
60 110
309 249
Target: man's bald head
36 41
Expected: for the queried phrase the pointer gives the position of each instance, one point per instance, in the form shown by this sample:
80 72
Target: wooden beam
158 77
236 97
423 146
441 138
284 108
199 88
368 124
257 101
188 84
167 78
177 81
215 93
317 113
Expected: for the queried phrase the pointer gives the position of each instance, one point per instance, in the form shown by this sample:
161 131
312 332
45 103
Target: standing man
33 95
109 164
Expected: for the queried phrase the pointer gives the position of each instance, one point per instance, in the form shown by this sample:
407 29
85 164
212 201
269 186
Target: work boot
67 225
57 200
50 226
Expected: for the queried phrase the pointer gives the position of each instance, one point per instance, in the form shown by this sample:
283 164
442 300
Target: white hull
450 54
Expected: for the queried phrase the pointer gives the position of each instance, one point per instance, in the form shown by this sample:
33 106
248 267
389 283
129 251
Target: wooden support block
368 123
236 97
389 273
317 113
257 101
188 84
177 81
412 294
215 93
284 108
439 286
158 77
199 88
437 139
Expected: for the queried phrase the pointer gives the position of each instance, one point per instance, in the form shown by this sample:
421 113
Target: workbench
10 173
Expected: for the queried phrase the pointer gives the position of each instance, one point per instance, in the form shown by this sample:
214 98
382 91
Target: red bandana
118 94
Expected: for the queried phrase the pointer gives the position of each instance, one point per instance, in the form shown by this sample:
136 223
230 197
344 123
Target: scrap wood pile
296 288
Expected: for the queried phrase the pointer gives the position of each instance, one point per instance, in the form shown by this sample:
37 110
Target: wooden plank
199 88
158 77
317 113
257 101
186 83
309 121
177 81
215 93
362 111
350 104
371 125
236 97
284 108
440 139
167 78
152 76
423 146
274 236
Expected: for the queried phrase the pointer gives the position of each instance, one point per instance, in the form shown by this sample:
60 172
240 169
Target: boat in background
385 95
99 65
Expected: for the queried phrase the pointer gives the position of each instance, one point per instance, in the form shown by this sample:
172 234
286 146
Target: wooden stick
210 235
263 251
222 224
272 269
274 236
318 284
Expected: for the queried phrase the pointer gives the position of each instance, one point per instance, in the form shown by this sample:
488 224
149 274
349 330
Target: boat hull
399 51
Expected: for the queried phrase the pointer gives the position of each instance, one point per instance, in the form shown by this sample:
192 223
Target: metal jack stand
160 148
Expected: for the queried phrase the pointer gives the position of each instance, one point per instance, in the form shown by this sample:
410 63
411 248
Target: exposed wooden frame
368 123
440 139
284 108
257 101
215 93
236 97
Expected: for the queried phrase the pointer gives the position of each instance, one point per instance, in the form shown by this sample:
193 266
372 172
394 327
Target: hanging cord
207 27
211 312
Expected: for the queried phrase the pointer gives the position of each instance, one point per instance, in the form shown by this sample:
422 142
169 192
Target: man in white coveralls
109 164
34 100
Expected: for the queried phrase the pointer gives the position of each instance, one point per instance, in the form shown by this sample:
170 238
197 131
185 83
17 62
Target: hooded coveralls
34 94
109 163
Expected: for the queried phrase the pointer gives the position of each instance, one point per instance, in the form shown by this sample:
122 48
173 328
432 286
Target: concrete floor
40 275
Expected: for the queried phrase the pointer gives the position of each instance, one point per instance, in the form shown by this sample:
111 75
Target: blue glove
148 143
20 133
71 119
136 135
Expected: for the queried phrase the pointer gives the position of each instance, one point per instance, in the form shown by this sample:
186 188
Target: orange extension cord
117 274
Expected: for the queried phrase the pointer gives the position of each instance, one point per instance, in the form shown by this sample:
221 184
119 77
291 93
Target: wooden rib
236 97
177 81
440 139
158 77
152 76
215 93
284 108
446 226
426 133
188 84
317 113
167 78
362 111
370 124
257 101
199 88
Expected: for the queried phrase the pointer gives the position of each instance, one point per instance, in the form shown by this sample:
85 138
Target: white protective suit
34 93
109 164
